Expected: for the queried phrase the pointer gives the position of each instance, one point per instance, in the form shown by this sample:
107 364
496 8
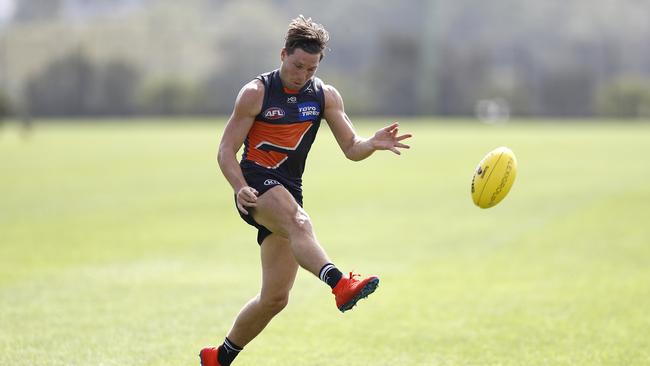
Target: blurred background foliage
572 58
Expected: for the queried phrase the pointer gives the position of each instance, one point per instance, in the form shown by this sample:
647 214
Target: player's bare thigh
278 211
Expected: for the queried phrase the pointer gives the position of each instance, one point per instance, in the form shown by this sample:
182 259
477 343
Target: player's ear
283 54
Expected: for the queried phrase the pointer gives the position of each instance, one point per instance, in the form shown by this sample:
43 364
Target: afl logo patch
274 113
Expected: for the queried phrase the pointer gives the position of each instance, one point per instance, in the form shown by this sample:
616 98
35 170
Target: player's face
297 68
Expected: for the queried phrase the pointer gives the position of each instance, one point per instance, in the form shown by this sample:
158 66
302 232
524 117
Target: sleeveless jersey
283 132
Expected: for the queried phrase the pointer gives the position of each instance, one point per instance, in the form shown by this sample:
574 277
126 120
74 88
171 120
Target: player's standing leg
279 269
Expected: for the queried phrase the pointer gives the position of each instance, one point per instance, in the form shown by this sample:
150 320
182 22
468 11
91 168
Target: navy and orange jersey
283 132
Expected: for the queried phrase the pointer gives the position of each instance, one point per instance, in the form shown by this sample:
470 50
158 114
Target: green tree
5 106
168 97
64 87
625 97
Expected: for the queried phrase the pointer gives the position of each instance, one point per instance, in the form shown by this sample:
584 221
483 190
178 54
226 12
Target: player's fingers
246 198
249 194
251 197
247 202
399 144
392 126
393 149
241 208
404 137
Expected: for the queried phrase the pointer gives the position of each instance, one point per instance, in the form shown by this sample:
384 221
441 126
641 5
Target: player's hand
246 197
388 139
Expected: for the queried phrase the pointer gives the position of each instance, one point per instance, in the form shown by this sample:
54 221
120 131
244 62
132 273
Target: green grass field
120 245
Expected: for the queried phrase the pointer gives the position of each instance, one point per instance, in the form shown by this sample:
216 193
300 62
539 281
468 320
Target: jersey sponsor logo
292 100
308 111
270 144
274 113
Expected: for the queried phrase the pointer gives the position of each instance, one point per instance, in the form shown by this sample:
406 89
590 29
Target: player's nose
304 76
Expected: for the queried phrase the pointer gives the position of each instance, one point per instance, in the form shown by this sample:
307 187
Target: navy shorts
262 180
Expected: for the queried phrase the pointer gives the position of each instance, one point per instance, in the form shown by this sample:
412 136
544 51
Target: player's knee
274 304
300 222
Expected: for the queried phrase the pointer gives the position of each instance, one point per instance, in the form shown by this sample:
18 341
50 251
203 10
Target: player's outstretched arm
247 106
354 147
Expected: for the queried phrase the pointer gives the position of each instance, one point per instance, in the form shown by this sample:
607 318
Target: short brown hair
307 35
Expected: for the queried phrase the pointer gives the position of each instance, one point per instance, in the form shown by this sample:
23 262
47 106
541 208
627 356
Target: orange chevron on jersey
269 144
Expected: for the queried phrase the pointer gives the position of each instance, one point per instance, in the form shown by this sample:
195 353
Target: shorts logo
274 113
308 111
271 182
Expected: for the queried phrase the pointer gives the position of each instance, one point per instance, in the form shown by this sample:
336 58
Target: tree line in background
76 86
470 54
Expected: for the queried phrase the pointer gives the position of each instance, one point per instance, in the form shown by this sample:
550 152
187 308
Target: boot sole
369 288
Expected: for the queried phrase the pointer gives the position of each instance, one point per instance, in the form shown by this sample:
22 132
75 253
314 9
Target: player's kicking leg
279 212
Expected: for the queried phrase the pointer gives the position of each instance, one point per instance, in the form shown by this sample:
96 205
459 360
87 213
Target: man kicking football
276 117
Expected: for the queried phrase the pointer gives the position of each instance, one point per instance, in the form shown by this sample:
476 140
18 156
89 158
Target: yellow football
493 177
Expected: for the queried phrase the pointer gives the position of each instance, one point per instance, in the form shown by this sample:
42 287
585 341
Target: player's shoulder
250 98
253 88
329 90
251 93
332 95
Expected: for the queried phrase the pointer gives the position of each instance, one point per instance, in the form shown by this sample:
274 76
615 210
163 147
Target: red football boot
209 357
349 290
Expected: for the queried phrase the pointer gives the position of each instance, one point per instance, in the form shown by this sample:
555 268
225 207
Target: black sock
330 274
227 352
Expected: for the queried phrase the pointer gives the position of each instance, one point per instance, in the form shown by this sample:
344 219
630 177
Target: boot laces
353 275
